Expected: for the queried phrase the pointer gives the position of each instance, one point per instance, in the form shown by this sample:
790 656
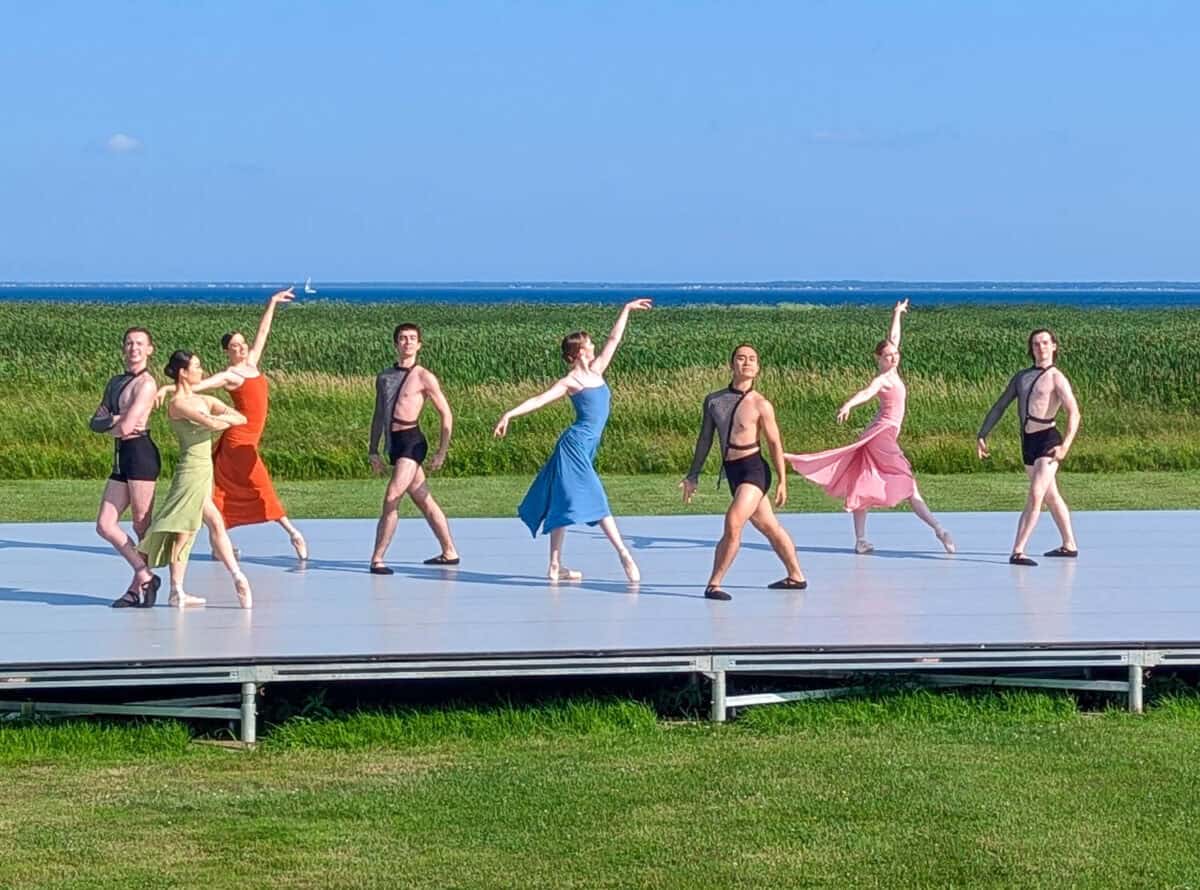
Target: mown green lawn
649 495
913 790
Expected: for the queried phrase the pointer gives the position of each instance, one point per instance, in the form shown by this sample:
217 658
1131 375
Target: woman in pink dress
873 472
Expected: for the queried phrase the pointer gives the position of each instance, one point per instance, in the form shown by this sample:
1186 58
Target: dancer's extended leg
402 477
222 548
922 511
418 490
609 526
298 542
745 501
1041 475
179 599
769 526
556 571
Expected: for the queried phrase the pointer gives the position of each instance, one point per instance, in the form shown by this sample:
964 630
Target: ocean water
1118 294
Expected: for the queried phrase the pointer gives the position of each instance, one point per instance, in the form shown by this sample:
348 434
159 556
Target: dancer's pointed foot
150 592
300 546
378 568
632 572
563 574
712 592
1063 552
241 587
862 545
788 584
948 542
180 600
1020 559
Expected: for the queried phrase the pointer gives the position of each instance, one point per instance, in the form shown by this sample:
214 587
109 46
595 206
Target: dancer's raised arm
861 397
553 394
601 361
894 331
264 325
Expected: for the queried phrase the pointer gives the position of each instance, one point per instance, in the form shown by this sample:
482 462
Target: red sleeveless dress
242 488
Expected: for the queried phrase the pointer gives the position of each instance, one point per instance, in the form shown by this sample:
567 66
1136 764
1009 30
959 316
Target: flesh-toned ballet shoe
862 545
632 572
947 541
300 546
242 588
561 574
180 600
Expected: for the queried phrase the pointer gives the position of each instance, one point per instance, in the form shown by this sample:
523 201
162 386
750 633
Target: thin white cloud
122 144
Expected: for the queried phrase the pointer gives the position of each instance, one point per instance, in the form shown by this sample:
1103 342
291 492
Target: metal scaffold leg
1135 689
717 713
249 713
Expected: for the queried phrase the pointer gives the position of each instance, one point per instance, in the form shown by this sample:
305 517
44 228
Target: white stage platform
1130 600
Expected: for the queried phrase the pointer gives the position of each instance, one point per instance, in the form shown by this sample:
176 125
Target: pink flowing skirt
872 472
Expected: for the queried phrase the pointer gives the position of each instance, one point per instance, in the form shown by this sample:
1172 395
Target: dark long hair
178 361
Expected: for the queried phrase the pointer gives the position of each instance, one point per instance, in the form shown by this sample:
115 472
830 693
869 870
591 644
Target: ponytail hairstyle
178 362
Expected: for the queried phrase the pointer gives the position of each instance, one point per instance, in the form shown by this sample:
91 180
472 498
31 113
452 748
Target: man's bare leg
769 526
1061 515
609 526
1041 474
402 477
113 502
745 502
141 505
422 498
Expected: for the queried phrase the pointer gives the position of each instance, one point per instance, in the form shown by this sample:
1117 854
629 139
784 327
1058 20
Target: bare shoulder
761 403
429 379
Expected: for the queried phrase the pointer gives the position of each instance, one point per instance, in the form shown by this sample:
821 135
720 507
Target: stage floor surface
1134 585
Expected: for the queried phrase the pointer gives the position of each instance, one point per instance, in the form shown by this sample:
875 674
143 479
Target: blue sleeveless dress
567 490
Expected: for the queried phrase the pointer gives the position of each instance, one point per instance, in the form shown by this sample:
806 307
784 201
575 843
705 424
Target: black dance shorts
1039 444
751 470
135 460
408 443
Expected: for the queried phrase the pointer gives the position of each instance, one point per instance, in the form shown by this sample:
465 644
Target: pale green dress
183 508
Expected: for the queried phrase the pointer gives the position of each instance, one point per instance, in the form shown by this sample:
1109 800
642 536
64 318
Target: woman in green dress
194 418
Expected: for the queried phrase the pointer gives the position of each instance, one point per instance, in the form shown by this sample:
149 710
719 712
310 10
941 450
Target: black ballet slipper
1062 552
381 570
716 593
787 584
441 560
150 592
128 600
1020 559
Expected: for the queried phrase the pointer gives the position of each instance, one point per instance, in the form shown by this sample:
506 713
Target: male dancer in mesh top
1040 392
739 416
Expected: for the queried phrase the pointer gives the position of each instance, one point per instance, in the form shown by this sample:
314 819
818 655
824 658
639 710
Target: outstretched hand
981 449
162 394
501 429
640 303
689 489
283 296
843 414
901 306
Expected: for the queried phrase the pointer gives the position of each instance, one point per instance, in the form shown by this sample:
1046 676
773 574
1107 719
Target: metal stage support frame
939 669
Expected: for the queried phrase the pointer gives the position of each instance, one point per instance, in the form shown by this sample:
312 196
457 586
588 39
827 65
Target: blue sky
605 141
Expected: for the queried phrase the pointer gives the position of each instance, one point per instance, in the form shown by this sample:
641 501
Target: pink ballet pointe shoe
242 588
632 572
559 573
180 600
948 542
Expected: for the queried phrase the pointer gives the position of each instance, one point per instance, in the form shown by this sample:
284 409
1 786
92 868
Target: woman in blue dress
567 490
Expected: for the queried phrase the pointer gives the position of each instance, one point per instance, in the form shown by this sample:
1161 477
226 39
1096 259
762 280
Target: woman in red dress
242 488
